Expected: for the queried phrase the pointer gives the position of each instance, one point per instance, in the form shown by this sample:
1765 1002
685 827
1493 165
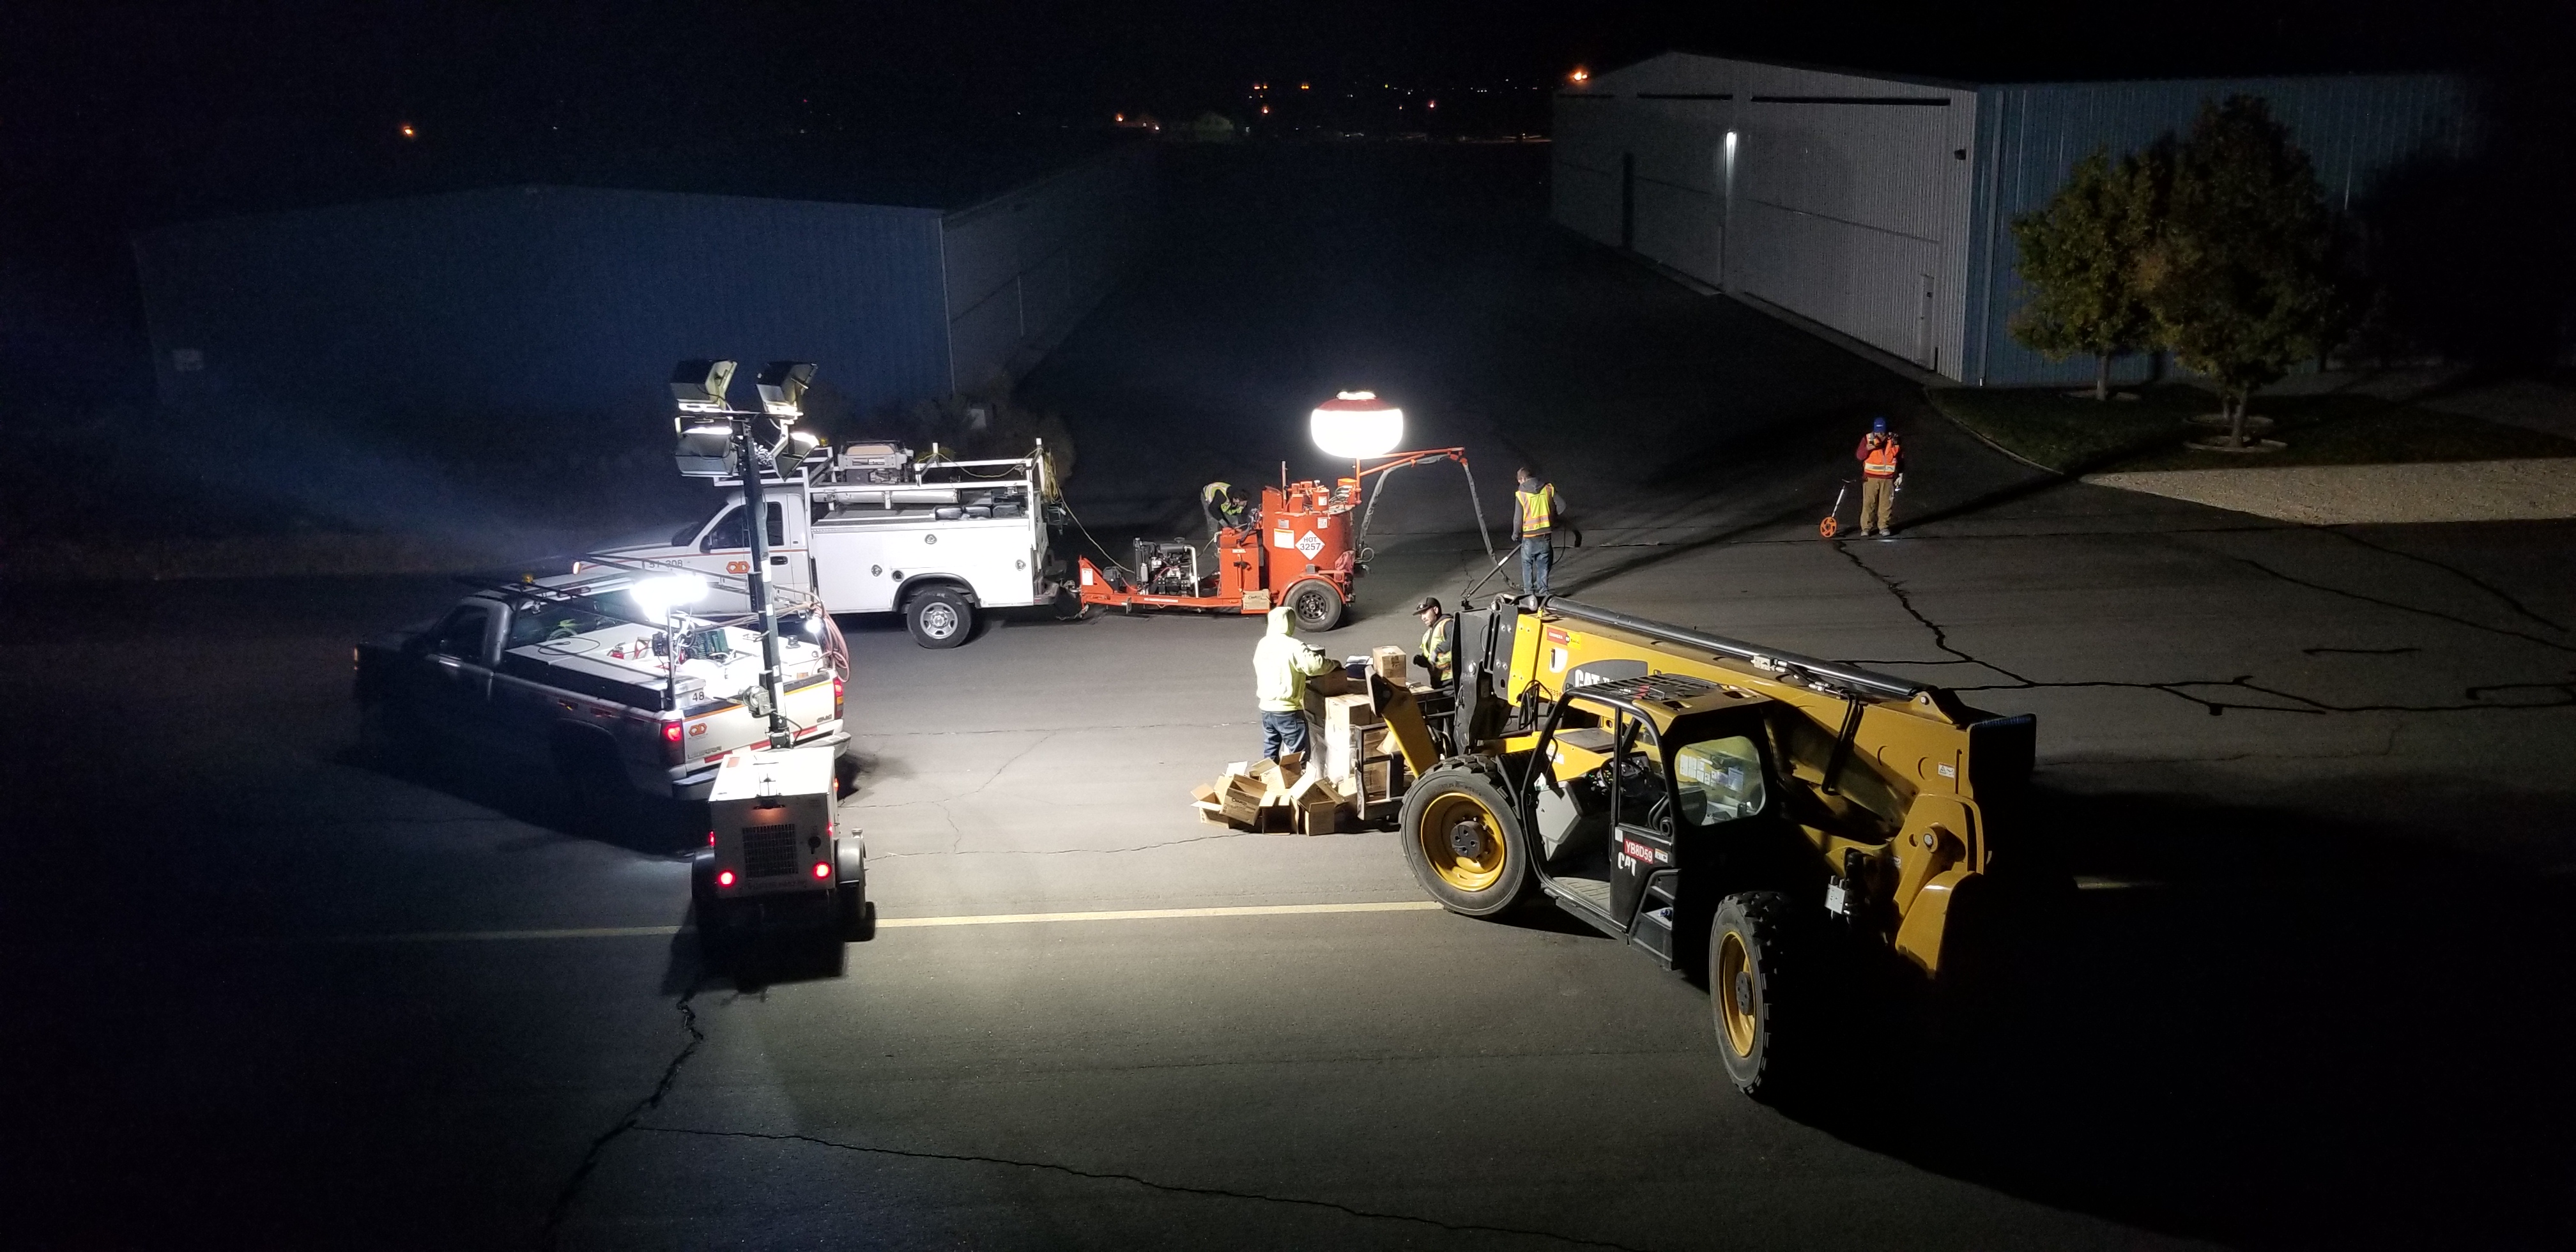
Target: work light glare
1356 424
658 596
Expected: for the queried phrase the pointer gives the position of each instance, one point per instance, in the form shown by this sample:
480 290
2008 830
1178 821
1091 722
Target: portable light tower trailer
775 851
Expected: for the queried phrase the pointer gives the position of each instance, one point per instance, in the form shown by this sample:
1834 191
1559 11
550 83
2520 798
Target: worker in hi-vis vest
1439 642
1536 509
1281 664
1882 471
1224 509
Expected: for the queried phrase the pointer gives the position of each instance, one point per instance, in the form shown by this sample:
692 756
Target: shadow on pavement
535 795
2301 1035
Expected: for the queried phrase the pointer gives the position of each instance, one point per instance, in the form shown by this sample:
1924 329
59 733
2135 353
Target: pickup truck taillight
671 734
836 695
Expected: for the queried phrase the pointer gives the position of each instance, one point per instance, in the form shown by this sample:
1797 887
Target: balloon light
1358 425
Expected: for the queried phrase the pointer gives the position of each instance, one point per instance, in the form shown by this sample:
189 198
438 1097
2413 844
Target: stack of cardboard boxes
1353 768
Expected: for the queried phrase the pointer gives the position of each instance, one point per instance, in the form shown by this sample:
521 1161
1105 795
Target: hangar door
1840 206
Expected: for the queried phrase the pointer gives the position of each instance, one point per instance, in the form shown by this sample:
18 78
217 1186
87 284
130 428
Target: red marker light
724 878
711 838
822 869
670 732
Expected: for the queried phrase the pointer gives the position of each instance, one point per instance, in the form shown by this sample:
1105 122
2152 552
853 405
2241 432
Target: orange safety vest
1538 505
1881 461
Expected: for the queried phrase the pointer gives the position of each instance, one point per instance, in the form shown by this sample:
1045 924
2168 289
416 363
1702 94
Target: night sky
125 115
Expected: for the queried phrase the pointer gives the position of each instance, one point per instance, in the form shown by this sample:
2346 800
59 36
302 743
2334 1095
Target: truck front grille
769 851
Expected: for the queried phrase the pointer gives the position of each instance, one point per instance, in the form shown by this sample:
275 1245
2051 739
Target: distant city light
1430 104
1265 108
1581 74
1115 117
1304 86
408 132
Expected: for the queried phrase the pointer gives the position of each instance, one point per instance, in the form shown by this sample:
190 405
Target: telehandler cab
1795 829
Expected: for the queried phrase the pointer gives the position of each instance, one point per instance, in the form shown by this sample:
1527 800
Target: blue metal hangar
1880 206
568 300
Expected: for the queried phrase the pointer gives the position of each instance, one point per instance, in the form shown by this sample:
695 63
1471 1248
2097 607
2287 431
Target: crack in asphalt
2436 614
2473 580
2562 694
551 1235
1114 1176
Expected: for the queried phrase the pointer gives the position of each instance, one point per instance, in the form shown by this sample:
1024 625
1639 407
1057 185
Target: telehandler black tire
1463 840
1314 604
1762 993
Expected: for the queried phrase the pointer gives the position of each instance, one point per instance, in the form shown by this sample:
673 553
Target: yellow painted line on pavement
1139 915
889 923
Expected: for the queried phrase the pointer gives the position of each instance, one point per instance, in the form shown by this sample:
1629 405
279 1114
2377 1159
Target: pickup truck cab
870 529
570 672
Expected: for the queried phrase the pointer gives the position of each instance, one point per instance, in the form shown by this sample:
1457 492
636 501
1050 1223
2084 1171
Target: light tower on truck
712 429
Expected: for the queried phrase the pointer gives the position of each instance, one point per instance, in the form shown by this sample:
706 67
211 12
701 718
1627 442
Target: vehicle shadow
535 795
2301 1035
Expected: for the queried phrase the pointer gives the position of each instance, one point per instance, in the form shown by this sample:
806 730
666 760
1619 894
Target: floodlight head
705 451
700 386
660 594
782 387
1356 424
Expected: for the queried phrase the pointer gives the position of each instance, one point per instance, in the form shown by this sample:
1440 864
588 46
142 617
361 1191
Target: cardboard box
1377 781
1389 662
1319 819
1240 800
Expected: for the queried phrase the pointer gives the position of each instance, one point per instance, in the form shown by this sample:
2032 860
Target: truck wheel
1315 605
939 618
858 915
1464 842
1756 968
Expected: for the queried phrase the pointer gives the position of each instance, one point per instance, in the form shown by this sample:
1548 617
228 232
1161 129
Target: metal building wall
1845 198
1022 268
541 299
2355 129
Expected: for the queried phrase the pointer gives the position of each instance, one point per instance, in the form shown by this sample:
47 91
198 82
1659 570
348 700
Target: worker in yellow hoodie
1281 664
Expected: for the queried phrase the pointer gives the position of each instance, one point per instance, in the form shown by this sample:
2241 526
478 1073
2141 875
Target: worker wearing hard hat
1882 471
1224 509
1439 642
1536 510
1281 664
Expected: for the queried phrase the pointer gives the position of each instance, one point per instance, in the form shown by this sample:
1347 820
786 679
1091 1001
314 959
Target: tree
2240 276
2080 256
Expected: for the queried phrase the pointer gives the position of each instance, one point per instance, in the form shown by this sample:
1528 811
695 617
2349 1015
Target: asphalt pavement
2314 781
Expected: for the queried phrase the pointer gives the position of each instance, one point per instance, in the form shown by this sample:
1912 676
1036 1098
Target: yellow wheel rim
1463 842
1737 1011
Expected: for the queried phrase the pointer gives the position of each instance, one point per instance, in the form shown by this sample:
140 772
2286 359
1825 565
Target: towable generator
1806 833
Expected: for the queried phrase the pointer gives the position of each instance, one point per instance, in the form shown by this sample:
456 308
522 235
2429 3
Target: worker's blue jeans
1535 558
1282 733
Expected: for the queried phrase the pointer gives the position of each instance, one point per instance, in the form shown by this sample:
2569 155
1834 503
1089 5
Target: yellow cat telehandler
1809 835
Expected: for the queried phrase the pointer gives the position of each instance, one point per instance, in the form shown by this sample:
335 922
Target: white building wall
1844 199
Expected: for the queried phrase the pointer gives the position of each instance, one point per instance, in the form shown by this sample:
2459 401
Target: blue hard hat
1878 425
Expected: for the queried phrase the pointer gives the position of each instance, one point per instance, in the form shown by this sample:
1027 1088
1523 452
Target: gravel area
2339 495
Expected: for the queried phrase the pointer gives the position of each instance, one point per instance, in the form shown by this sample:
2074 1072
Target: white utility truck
870 528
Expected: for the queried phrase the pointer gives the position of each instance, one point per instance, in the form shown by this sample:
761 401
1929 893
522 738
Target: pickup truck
572 672
869 528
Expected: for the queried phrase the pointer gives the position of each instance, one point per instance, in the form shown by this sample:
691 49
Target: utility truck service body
871 529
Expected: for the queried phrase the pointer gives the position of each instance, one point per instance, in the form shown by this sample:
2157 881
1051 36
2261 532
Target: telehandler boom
1782 824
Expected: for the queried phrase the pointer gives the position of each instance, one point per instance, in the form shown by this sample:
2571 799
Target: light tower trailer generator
1813 837
776 853
870 528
